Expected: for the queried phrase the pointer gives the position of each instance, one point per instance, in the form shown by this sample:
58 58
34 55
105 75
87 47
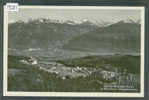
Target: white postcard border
71 94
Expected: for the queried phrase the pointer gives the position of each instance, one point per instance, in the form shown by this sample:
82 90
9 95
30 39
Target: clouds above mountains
75 14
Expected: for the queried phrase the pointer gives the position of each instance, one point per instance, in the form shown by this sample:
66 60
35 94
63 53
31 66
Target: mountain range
81 36
118 37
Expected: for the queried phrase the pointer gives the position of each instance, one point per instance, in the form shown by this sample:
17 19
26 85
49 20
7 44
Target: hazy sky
75 14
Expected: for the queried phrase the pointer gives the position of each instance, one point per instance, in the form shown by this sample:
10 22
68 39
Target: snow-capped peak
85 20
131 21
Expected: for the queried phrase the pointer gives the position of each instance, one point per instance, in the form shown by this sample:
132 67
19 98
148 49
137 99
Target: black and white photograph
92 51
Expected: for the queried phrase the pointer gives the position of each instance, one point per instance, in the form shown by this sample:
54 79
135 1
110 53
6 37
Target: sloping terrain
109 62
33 77
44 33
118 37
47 55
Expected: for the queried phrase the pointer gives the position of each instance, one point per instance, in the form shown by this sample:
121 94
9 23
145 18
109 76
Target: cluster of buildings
120 81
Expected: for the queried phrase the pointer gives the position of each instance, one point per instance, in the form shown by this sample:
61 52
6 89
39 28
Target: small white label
12 7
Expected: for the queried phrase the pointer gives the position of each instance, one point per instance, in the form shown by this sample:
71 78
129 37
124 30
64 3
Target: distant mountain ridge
83 35
44 33
117 37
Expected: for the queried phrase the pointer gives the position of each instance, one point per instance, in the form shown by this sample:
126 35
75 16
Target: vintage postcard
77 51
